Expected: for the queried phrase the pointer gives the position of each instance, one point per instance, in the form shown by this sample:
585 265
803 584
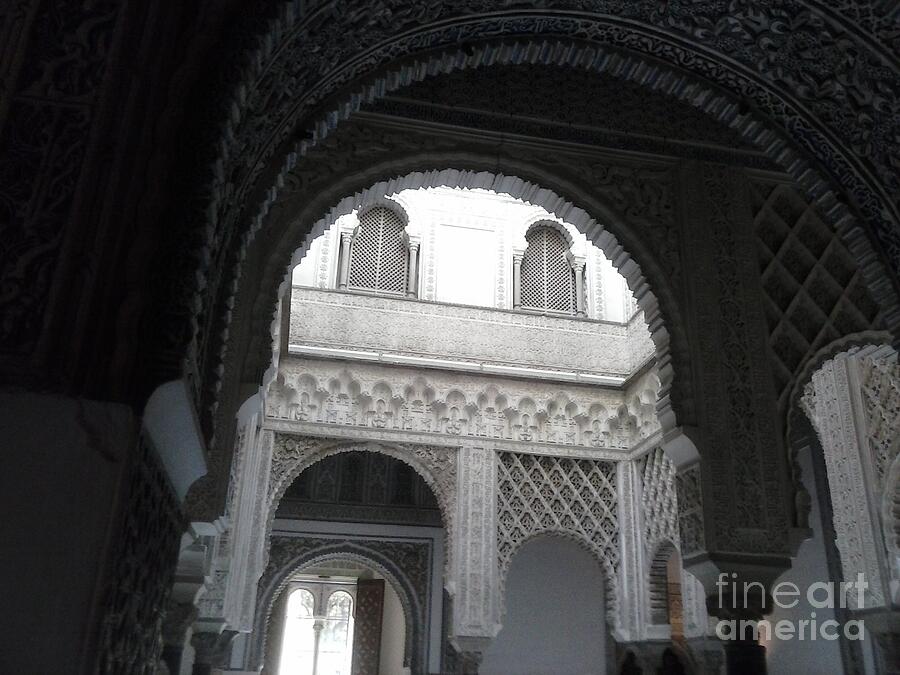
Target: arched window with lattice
378 256
547 279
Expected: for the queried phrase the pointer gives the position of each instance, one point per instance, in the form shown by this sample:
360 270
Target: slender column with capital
578 267
412 280
344 271
517 280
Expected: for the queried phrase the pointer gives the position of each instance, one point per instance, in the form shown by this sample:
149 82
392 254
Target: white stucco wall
568 635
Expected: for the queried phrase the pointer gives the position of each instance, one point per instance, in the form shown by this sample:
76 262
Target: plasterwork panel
880 381
658 500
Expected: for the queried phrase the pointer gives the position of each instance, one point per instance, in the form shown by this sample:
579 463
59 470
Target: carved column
474 581
412 279
240 553
344 265
578 269
517 279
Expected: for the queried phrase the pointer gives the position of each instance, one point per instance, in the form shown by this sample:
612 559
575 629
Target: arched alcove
555 619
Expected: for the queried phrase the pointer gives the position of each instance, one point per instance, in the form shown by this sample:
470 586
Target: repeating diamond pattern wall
814 290
547 277
659 500
378 259
574 498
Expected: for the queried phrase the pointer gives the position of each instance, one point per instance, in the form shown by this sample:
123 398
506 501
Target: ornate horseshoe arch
275 580
667 33
437 467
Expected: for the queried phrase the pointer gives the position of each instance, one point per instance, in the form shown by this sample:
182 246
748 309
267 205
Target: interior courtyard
425 338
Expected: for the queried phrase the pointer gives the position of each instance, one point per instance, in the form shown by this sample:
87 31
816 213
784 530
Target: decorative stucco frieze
452 405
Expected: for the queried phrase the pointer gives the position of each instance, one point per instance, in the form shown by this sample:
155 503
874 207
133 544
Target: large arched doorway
555 618
368 525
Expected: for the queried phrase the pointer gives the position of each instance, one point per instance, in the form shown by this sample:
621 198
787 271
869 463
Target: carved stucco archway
275 581
650 34
291 456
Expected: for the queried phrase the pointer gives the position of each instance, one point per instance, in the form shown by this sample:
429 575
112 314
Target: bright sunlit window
318 632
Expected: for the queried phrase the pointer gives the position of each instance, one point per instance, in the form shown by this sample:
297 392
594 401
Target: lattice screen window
547 281
379 256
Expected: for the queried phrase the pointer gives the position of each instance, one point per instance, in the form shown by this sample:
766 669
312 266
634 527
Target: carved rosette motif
577 499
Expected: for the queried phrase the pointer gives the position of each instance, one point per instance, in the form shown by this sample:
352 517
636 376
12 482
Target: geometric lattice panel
547 277
573 498
814 291
378 258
